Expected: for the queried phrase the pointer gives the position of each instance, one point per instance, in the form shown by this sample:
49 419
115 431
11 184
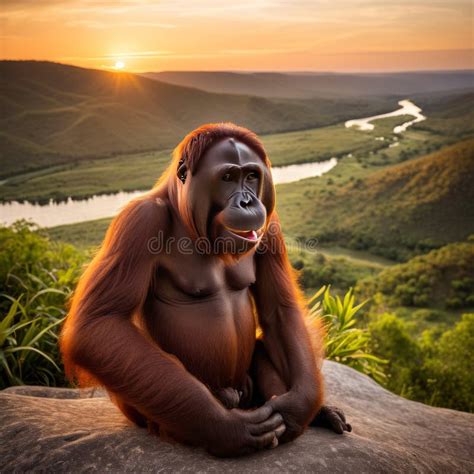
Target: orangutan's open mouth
251 235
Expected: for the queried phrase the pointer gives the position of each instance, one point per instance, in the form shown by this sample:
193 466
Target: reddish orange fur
101 344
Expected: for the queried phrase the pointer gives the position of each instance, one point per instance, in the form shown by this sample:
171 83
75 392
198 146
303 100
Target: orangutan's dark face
226 191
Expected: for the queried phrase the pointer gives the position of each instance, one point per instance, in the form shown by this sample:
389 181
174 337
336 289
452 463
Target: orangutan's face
225 190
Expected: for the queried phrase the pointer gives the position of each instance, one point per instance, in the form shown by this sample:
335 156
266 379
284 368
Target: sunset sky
319 35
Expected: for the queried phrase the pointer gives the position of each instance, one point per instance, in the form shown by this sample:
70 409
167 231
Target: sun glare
119 65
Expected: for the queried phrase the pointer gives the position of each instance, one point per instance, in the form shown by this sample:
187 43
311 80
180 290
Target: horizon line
246 71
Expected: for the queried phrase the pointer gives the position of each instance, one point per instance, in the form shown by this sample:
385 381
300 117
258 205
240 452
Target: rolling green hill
308 85
54 114
443 278
451 115
396 212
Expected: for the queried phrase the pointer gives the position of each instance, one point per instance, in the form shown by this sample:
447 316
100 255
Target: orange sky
321 35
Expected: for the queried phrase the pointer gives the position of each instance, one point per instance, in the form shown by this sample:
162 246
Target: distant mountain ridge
53 113
310 85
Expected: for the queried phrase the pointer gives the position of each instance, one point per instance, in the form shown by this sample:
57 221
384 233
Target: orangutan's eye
252 176
227 177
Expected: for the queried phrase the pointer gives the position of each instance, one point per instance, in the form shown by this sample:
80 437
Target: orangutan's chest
196 276
201 312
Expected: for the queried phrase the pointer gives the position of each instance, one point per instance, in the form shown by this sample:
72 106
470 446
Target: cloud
103 24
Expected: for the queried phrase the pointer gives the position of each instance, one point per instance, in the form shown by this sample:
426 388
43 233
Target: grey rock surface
62 430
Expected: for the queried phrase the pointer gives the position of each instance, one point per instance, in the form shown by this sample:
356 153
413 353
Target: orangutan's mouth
252 235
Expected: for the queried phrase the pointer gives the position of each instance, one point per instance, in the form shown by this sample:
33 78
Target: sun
119 65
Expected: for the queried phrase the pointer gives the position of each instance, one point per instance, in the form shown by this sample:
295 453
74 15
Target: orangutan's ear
268 191
182 171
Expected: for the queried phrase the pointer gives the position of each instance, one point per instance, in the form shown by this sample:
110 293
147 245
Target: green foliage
443 278
450 368
318 269
390 338
435 368
26 250
344 342
36 278
29 339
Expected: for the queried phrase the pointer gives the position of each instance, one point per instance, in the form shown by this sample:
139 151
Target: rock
63 430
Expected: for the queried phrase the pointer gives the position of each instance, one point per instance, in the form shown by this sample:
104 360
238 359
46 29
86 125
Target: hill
54 113
449 114
398 211
442 278
308 85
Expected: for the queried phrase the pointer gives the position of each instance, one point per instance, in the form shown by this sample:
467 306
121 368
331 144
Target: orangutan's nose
245 200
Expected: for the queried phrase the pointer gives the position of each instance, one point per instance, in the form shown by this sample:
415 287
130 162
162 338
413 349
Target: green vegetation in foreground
37 277
419 315
345 342
434 368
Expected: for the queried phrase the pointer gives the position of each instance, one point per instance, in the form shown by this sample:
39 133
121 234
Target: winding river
406 108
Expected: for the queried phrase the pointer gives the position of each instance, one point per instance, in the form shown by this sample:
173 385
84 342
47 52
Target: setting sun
119 65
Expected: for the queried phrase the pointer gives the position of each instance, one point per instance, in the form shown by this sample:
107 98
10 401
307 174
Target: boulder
63 430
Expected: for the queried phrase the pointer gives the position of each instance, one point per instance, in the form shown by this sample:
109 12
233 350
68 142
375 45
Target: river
407 108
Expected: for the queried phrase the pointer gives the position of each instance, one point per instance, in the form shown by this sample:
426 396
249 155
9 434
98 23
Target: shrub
450 367
435 368
36 278
391 339
344 342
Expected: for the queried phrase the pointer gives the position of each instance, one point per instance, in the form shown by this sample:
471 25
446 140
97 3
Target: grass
87 178
36 280
82 235
29 339
356 256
